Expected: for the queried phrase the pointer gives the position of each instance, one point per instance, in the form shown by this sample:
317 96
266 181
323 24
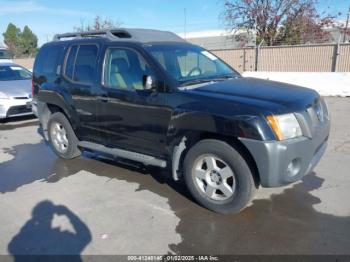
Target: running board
145 159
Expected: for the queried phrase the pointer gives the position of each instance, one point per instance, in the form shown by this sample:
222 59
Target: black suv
151 97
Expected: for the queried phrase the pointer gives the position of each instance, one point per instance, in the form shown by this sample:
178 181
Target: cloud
22 7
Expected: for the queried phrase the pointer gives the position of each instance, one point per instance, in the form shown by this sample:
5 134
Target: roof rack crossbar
122 34
112 33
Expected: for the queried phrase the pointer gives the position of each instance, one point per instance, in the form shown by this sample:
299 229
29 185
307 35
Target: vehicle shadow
18 122
38 237
285 223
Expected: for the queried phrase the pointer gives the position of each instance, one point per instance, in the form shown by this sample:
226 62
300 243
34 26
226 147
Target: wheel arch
191 138
45 110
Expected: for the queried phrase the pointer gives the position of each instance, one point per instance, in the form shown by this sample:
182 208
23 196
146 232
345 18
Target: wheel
62 137
218 177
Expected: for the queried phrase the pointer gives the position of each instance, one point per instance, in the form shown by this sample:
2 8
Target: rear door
80 73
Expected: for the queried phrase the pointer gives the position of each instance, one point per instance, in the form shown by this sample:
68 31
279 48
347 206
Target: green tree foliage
20 43
28 42
11 38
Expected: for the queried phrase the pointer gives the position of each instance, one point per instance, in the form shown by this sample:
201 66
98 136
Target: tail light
33 87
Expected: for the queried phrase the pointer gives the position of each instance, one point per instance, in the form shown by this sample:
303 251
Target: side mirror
149 83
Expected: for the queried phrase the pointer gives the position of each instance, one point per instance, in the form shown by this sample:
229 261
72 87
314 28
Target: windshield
189 64
9 73
5 54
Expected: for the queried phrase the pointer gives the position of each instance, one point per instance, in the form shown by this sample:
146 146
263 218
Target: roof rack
113 33
139 35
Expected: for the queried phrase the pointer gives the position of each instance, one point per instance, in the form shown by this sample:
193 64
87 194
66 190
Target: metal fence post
257 52
244 59
335 57
257 57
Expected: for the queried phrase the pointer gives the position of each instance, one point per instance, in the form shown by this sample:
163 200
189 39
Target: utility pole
346 26
185 23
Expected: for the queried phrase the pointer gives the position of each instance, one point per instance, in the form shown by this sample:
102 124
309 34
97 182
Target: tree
28 42
277 21
12 38
20 43
98 24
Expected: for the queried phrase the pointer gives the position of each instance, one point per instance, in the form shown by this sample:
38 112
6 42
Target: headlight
3 96
325 109
285 126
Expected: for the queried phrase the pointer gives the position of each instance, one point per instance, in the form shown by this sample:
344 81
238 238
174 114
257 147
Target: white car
5 56
15 90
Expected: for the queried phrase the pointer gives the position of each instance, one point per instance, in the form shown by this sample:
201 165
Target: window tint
125 69
85 64
69 70
47 61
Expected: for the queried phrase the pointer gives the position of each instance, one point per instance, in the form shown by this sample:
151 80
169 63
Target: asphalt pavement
97 205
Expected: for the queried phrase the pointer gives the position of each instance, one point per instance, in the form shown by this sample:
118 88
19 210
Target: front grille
16 110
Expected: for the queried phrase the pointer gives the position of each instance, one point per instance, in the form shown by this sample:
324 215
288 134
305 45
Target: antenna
185 22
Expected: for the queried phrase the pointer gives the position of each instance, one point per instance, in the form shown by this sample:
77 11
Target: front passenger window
124 69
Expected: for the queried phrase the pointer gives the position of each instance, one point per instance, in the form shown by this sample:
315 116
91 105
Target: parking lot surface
96 205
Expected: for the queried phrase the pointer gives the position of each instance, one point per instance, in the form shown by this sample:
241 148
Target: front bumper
15 107
283 162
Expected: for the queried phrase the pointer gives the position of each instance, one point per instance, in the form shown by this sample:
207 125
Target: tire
218 176
65 145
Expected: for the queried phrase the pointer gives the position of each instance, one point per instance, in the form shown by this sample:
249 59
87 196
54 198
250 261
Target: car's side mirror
149 83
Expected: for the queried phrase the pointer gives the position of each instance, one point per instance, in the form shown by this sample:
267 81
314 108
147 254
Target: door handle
103 99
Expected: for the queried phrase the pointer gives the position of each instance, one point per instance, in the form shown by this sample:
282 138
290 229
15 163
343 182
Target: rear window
47 61
81 63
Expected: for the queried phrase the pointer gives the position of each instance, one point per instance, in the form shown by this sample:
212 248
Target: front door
134 119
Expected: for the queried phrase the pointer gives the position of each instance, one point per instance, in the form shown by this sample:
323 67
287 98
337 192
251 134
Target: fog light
293 167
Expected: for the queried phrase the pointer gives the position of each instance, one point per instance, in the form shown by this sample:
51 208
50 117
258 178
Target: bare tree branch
98 24
282 21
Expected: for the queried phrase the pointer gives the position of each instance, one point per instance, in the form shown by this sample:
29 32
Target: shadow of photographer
38 237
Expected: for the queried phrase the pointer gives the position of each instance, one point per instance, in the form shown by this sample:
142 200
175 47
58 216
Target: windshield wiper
214 79
224 77
197 81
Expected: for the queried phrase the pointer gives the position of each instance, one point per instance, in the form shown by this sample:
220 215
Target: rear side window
70 62
47 61
81 63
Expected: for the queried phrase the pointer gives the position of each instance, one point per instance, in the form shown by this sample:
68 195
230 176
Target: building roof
220 39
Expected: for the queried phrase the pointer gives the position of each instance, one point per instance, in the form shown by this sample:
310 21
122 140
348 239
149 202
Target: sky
47 18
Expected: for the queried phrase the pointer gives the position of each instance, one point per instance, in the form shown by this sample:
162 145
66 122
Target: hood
264 93
16 88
